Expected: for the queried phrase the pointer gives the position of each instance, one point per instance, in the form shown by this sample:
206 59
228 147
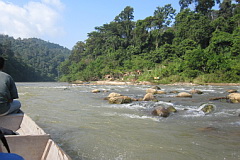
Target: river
89 128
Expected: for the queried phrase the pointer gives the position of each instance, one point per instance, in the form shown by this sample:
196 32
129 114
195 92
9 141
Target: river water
89 128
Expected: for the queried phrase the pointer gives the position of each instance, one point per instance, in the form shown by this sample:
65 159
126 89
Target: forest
32 59
199 44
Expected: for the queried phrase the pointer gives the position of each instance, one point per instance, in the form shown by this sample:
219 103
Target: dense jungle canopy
32 60
198 44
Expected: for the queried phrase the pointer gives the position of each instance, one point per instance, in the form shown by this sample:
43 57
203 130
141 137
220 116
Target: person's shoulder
5 75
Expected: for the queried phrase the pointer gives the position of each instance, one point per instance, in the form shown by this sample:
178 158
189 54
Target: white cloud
55 3
34 19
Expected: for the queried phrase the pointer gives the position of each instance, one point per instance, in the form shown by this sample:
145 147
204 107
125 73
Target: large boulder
234 97
151 90
160 111
207 108
119 100
184 94
149 97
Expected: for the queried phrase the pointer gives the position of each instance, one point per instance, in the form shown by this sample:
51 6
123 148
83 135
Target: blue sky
65 22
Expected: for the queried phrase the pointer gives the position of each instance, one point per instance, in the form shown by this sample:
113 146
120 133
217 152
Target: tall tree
193 26
126 24
201 6
77 51
226 9
162 18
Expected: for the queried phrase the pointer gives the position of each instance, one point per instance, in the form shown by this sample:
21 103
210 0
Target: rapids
88 128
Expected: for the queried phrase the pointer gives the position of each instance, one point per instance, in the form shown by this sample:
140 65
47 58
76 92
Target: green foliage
194 26
200 46
201 6
194 61
32 59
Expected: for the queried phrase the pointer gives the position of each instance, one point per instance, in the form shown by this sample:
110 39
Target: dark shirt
8 91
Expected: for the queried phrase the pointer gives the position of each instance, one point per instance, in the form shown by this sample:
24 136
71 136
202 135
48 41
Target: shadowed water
88 128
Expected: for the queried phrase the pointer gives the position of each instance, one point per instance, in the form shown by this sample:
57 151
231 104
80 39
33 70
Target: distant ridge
32 59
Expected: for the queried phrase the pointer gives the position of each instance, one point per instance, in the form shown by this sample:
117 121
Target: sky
65 22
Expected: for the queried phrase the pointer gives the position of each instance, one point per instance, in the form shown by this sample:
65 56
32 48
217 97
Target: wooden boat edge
30 136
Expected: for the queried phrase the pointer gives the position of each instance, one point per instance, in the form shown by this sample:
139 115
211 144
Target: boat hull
32 143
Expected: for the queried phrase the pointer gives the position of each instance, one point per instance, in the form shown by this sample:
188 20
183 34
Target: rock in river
171 109
95 91
149 97
234 97
150 90
184 94
156 87
194 91
160 111
232 91
119 100
207 108
113 94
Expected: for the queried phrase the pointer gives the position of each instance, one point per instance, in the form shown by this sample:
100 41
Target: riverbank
148 83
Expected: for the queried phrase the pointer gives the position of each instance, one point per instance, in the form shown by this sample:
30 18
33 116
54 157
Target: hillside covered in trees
194 45
32 60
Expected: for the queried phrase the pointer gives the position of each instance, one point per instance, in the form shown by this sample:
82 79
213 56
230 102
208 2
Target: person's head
1 63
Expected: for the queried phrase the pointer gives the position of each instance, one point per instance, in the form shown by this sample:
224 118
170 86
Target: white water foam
134 116
236 123
223 114
126 106
165 103
22 94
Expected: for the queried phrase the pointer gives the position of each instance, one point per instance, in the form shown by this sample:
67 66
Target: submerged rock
171 109
95 91
155 91
207 129
114 95
194 91
207 108
217 98
232 91
156 87
160 111
184 94
161 92
174 92
234 97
